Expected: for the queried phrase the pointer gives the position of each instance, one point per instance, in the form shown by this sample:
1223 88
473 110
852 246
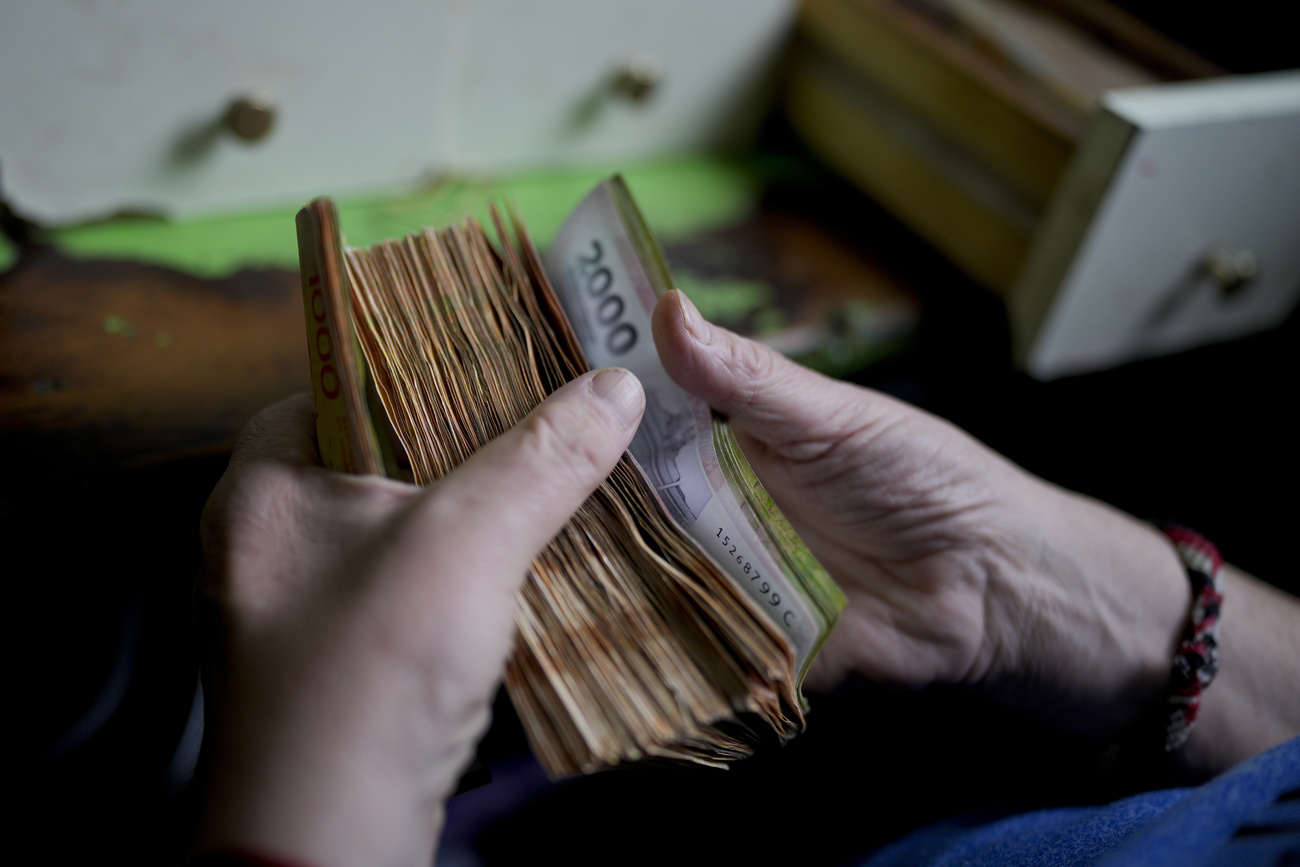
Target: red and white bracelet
1197 659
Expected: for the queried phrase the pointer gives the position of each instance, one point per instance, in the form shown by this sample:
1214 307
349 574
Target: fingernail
622 391
694 322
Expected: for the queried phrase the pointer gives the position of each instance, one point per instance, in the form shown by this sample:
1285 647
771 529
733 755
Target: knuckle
754 370
285 430
241 520
259 430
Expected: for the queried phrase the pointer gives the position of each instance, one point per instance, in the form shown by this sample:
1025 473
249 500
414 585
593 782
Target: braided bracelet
1197 659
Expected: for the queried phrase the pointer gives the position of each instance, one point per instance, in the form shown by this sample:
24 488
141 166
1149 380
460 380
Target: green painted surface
8 255
678 197
724 300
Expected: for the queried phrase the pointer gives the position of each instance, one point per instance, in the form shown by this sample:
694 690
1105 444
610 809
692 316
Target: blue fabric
1195 827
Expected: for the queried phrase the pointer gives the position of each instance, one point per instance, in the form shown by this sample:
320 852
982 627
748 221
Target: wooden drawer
943 115
1124 197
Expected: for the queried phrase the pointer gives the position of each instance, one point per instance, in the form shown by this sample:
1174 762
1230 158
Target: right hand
362 623
958 567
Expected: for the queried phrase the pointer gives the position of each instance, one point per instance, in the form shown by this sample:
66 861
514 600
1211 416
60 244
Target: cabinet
131 106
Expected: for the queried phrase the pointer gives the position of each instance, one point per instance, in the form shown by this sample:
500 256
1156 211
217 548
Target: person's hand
959 568
362 623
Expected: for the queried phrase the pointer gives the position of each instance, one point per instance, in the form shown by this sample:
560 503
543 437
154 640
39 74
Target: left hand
959 568
364 622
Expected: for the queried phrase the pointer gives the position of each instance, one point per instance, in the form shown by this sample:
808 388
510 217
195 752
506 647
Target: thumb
770 397
498 509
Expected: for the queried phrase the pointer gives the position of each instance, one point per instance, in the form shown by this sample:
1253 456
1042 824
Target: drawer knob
637 80
250 117
1232 271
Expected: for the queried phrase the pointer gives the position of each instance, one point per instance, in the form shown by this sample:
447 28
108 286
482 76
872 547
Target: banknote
608 273
673 616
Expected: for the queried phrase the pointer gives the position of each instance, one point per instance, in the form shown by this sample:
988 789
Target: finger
495 512
284 432
760 390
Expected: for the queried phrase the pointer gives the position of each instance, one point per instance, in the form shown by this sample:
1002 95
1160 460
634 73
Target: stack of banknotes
674 616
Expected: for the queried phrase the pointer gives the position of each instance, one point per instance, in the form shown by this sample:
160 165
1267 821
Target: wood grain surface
111 364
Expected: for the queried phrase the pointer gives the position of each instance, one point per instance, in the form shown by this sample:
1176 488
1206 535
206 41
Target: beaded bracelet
1197 659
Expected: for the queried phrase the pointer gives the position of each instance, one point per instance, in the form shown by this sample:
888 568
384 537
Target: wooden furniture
1123 196
954 130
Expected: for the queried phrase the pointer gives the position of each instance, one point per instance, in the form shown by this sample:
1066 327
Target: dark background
102 552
